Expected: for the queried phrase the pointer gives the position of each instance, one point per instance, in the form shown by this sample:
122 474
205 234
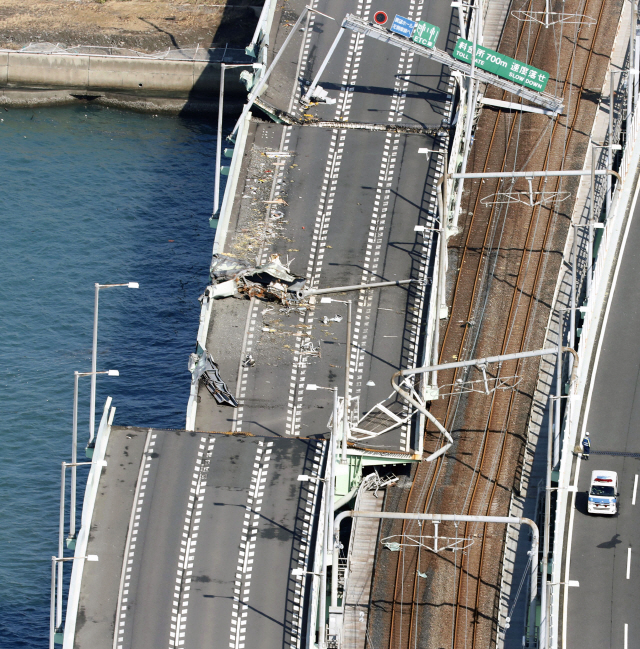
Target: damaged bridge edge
222 228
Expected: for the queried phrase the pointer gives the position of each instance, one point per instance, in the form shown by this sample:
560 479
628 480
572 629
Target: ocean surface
89 194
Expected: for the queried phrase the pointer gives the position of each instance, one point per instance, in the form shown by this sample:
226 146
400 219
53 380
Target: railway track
490 428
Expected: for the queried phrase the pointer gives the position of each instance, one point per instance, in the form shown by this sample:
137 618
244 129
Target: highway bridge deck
197 535
352 199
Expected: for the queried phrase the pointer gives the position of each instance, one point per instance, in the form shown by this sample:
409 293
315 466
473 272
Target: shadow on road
608 545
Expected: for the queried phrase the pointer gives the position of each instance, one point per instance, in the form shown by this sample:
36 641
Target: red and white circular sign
380 17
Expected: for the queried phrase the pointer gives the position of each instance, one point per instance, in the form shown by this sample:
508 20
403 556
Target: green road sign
425 34
501 65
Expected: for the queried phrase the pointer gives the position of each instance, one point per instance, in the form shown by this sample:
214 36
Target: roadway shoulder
101 581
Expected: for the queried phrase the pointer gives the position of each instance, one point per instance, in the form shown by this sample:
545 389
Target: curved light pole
94 353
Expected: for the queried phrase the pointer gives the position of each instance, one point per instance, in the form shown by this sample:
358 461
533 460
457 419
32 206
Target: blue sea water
89 194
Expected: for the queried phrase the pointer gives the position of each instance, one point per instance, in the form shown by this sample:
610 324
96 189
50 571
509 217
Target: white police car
603 493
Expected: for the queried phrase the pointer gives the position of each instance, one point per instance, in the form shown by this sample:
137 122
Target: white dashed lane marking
242 584
278 182
322 221
188 543
133 537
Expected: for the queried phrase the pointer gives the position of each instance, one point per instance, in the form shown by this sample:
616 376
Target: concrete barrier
143 77
222 227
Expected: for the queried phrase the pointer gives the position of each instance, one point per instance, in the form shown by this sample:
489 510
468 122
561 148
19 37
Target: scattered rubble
249 361
272 281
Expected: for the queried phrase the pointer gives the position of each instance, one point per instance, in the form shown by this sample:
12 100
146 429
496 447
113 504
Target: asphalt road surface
200 544
605 552
354 198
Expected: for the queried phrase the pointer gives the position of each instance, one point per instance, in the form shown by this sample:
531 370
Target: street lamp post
73 466
74 449
345 409
328 514
94 354
53 628
216 186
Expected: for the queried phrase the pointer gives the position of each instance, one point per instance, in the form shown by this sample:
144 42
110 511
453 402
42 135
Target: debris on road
215 385
249 361
271 281
307 347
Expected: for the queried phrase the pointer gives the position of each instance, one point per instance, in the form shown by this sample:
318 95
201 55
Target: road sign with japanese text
402 26
501 65
425 34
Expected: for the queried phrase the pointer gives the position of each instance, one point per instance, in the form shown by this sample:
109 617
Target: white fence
197 53
91 491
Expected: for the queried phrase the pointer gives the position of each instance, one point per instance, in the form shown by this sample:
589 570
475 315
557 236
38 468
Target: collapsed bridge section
199 536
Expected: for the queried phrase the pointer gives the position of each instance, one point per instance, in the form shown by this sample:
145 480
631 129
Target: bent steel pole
437 518
216 186
448 366
314 83
263 80
536 174
356 287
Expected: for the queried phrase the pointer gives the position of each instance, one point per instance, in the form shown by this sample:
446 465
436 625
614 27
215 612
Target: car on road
603 493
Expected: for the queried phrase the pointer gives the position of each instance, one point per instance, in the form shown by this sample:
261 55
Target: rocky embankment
144 25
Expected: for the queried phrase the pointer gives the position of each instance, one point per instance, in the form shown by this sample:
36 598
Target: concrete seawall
28 79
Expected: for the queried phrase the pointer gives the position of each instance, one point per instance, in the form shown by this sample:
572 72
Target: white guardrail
91 491
222 228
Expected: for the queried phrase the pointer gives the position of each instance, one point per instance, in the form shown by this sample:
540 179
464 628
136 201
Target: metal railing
197 53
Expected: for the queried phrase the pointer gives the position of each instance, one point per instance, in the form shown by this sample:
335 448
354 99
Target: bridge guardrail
222 229
91 491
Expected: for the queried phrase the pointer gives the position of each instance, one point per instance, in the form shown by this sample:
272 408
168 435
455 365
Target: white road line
132 537
628 562
323 217
278 179
188 543
626 636
568 556
377 229
248 538
635 489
